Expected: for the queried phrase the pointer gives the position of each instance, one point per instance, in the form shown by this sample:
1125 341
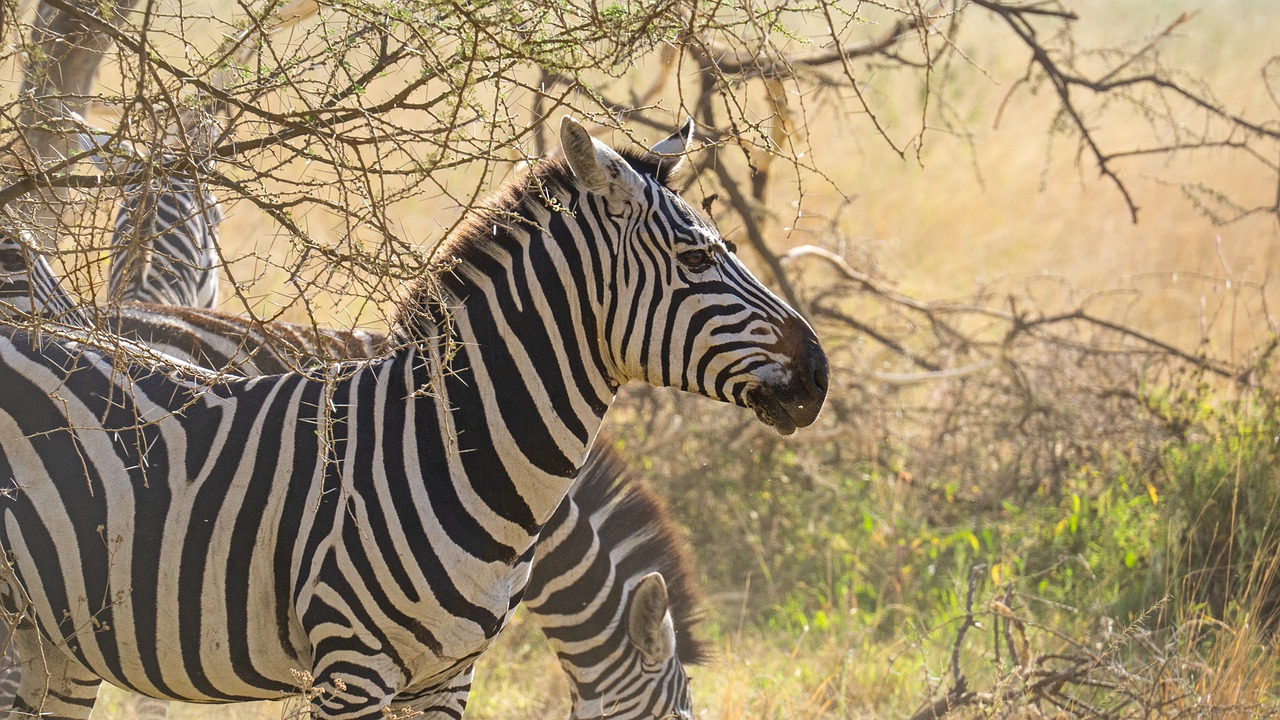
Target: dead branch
1017 17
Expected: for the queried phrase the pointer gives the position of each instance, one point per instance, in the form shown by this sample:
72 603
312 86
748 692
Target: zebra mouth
770 411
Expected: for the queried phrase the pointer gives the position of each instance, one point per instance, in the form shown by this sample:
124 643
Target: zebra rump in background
370 522
165 243
604 560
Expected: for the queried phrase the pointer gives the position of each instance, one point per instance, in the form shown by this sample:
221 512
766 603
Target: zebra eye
696 260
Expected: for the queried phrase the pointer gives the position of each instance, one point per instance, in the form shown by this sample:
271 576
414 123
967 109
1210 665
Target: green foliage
1224 492
819 540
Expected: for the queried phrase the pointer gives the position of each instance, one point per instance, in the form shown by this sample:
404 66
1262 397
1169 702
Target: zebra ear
649 624
677 144
597 166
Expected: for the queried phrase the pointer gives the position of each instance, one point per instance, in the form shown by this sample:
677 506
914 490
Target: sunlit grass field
982 208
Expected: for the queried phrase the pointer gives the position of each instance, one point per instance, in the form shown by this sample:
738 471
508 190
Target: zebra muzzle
797 402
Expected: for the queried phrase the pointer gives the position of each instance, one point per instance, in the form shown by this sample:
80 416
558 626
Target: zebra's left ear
597 166
671 150
649 625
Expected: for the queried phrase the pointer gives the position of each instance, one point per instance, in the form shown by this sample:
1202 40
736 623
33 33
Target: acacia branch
1063 81
731 61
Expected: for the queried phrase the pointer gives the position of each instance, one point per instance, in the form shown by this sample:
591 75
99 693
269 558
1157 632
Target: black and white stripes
165 242
28 286
372 523
165 245
613 590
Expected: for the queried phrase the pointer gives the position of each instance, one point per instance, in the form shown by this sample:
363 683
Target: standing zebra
607 543
370 522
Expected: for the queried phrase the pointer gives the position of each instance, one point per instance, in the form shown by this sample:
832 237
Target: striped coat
608 552
371 522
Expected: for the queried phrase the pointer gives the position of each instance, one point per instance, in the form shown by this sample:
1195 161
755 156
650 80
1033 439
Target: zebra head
680 308
647 679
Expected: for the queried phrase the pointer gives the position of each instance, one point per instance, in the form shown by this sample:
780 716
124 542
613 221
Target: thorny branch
1063 79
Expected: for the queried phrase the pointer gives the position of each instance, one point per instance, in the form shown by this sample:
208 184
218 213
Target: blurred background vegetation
1046 484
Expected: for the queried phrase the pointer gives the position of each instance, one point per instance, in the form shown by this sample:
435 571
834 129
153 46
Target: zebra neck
498 390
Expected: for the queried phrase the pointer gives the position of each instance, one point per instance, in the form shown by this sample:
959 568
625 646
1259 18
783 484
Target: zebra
610 533
624 645
412 486
165 242
170 226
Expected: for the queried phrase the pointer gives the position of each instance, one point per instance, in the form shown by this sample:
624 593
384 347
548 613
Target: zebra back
238 344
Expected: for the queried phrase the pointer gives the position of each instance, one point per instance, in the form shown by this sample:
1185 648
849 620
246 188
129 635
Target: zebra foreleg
52 686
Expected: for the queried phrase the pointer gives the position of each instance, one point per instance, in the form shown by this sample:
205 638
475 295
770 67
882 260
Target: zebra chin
782 412
796 401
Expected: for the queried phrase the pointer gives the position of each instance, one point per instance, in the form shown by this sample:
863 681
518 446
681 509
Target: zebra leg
439 703
148 708
53 686
350 690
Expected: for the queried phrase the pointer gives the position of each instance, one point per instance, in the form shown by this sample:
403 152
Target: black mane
489 224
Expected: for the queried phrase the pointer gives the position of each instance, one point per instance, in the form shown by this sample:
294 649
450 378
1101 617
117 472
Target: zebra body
609 536
609 539
372 523
358 589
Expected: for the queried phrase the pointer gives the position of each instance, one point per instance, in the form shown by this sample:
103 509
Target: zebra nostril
820 378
